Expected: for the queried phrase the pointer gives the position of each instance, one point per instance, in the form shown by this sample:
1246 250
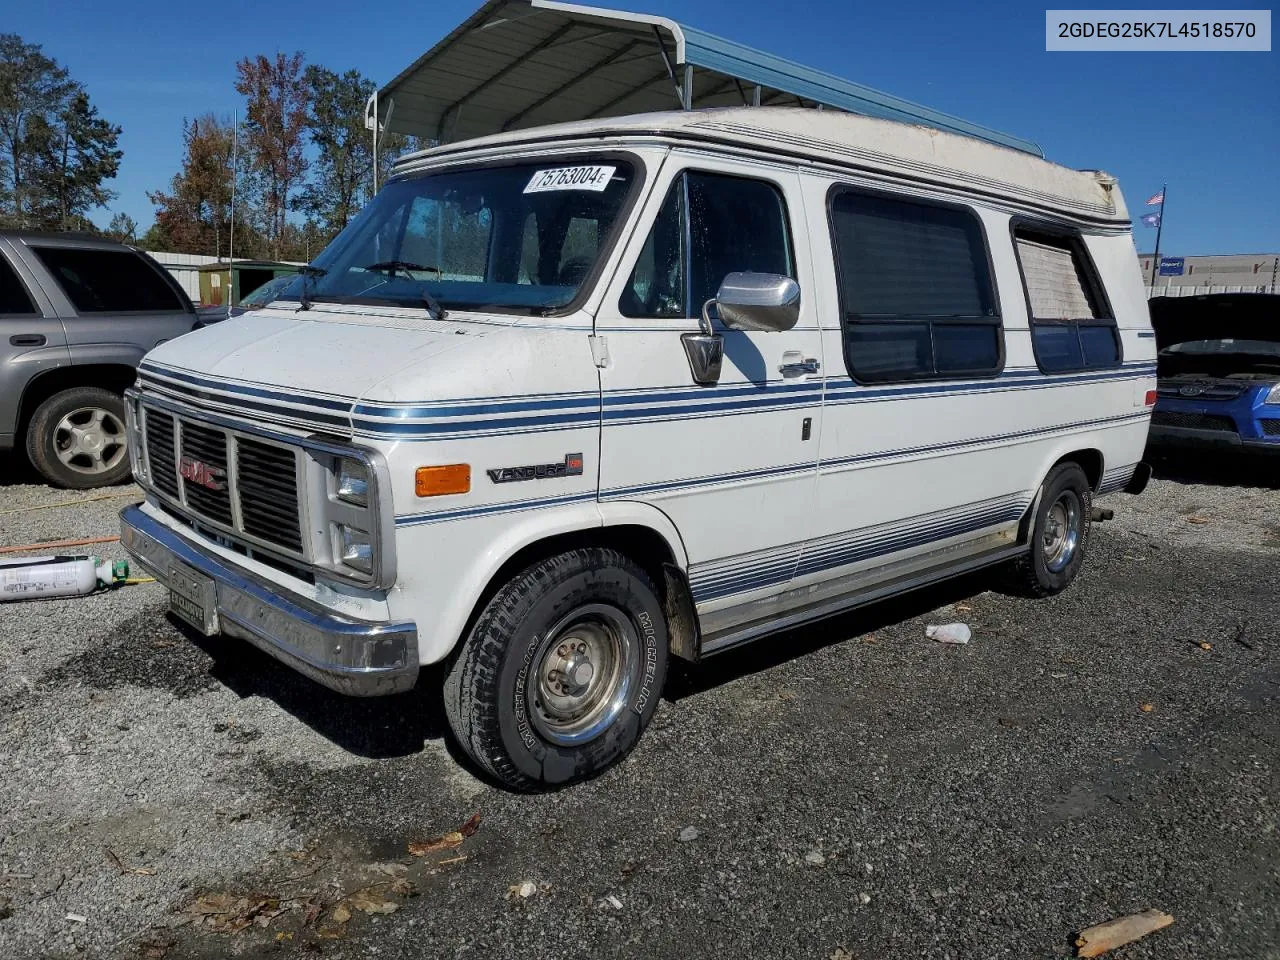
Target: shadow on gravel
373 727
688 679
1224 469
15 468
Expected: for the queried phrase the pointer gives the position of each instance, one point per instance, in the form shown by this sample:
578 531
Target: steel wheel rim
583 672
1062 529
90 440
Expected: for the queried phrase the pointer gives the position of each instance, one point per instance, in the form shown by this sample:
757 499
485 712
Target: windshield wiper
406 267
309 273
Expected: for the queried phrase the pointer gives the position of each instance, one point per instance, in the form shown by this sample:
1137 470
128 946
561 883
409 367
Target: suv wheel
561 672
77 439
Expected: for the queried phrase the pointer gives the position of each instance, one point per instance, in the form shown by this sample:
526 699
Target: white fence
185 269
1199 290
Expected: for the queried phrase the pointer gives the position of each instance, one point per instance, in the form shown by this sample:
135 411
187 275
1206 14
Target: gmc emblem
193 471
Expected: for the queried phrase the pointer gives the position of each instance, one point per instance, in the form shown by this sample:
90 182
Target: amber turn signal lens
1151 398
437 481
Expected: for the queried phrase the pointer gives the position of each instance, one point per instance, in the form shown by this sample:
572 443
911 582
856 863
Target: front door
733 464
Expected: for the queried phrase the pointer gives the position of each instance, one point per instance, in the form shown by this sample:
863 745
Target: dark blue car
1219 372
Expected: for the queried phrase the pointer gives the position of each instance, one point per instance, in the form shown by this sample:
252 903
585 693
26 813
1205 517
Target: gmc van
564 403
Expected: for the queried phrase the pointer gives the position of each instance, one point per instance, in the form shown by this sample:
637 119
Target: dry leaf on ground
372 900
446 841
1097 940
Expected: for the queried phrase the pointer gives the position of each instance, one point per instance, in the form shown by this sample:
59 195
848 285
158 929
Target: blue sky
1208 123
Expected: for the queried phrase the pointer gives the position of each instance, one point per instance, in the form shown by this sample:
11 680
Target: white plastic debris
688 833
949 632
815 858
613 902
526 889
77 918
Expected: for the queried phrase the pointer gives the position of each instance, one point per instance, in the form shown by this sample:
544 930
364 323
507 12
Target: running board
737 636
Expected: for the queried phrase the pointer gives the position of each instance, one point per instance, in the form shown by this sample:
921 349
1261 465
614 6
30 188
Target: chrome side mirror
758 301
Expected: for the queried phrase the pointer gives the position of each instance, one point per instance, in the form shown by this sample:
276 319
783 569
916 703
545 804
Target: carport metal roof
524 63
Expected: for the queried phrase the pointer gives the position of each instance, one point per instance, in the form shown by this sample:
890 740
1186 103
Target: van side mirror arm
705 350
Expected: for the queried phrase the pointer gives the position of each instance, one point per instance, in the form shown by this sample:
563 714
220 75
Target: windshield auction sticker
1172 30
570 178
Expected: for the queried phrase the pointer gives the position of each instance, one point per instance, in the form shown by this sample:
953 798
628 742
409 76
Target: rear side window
1072 327
710 225
915 290
14 300
109 281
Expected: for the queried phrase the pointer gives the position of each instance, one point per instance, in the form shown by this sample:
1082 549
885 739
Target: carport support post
688 86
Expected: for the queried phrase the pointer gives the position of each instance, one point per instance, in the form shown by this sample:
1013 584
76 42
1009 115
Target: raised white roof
885 148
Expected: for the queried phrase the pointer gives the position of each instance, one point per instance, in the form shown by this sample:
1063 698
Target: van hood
314 371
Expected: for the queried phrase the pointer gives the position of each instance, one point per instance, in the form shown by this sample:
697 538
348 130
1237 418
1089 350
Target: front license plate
193 597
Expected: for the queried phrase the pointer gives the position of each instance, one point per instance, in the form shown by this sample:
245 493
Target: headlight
357 548
1274 395
353 482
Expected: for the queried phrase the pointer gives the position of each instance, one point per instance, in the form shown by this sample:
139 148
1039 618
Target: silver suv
77 313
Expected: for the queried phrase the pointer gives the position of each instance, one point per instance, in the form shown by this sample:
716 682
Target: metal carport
522 63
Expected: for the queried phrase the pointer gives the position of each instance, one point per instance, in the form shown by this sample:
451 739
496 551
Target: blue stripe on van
716 580
496 417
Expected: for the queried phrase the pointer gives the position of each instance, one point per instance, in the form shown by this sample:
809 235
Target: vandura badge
571 467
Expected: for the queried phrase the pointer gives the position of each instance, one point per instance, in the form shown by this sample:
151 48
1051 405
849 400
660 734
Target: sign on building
1171 266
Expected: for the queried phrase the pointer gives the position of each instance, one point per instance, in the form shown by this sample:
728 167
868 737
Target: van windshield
521 238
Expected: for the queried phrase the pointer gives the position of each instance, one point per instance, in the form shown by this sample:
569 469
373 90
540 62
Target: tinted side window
734 224
656 287
915 289
710 225
13 295
1071 326
108 281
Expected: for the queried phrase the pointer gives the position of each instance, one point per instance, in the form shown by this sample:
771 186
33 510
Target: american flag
1156 200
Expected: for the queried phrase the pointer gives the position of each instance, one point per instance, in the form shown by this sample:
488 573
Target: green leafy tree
75 154
342 173
123 228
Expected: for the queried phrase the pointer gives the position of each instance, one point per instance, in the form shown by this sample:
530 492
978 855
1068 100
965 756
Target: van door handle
796 364
27 340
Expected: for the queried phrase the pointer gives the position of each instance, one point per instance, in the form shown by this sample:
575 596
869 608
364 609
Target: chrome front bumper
356 657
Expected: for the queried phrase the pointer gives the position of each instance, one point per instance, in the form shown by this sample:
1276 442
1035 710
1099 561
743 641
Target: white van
564 403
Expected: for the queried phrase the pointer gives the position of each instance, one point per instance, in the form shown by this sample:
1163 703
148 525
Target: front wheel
1059 535
561 672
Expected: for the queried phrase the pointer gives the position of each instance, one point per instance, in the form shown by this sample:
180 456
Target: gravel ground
848 791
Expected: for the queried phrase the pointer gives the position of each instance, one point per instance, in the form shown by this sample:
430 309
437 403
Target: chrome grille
208 445
258 500
268 492
162 464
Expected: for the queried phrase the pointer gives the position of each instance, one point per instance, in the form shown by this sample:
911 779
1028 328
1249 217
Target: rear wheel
77 439
1059 535
561 672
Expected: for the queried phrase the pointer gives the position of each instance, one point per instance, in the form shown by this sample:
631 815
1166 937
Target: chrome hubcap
1062 527
584 670
90 440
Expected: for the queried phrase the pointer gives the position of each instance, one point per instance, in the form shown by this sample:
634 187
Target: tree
75 155
123 228
194 216
275 125
33 89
